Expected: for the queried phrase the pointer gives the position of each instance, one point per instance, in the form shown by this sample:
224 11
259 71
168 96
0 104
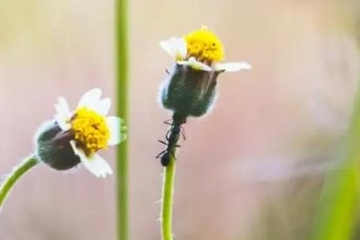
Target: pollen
90 130
205 46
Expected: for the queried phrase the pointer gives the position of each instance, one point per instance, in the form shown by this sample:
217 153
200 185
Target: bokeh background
252 169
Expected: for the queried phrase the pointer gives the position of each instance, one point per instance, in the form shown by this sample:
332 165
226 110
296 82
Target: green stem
121 30
167 199
15 174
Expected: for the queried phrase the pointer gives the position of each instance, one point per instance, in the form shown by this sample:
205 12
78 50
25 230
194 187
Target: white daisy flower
91 129
201 50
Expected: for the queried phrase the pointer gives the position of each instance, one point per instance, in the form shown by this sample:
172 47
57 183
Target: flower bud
53 147
188 91
190 87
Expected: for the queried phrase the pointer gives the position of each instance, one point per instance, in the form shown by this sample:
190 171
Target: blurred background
251 169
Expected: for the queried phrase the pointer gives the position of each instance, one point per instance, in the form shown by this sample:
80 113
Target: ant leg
168 135
163 142
168 122
173 155
182 131
160 154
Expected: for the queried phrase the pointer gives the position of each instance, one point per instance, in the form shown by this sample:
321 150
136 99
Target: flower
190 87
201 50
77 136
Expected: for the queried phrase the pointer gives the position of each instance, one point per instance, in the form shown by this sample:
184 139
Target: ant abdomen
165 159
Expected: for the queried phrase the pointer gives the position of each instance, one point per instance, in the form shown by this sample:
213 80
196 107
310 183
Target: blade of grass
337 209
122 110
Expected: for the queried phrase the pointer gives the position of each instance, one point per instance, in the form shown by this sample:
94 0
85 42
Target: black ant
172 137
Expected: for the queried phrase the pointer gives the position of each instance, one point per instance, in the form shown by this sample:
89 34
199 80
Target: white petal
176 47
62 107
95 164
114 125
63 113
232 66
182 48
167 45
195 64
102 107
90 98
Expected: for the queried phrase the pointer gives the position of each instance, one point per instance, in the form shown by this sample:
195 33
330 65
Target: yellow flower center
90 130
205 46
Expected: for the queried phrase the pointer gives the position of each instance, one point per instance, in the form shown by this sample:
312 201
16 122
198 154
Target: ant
172 137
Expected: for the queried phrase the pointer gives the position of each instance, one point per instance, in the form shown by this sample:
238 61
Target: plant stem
15 175
121 30
169 175
167 199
